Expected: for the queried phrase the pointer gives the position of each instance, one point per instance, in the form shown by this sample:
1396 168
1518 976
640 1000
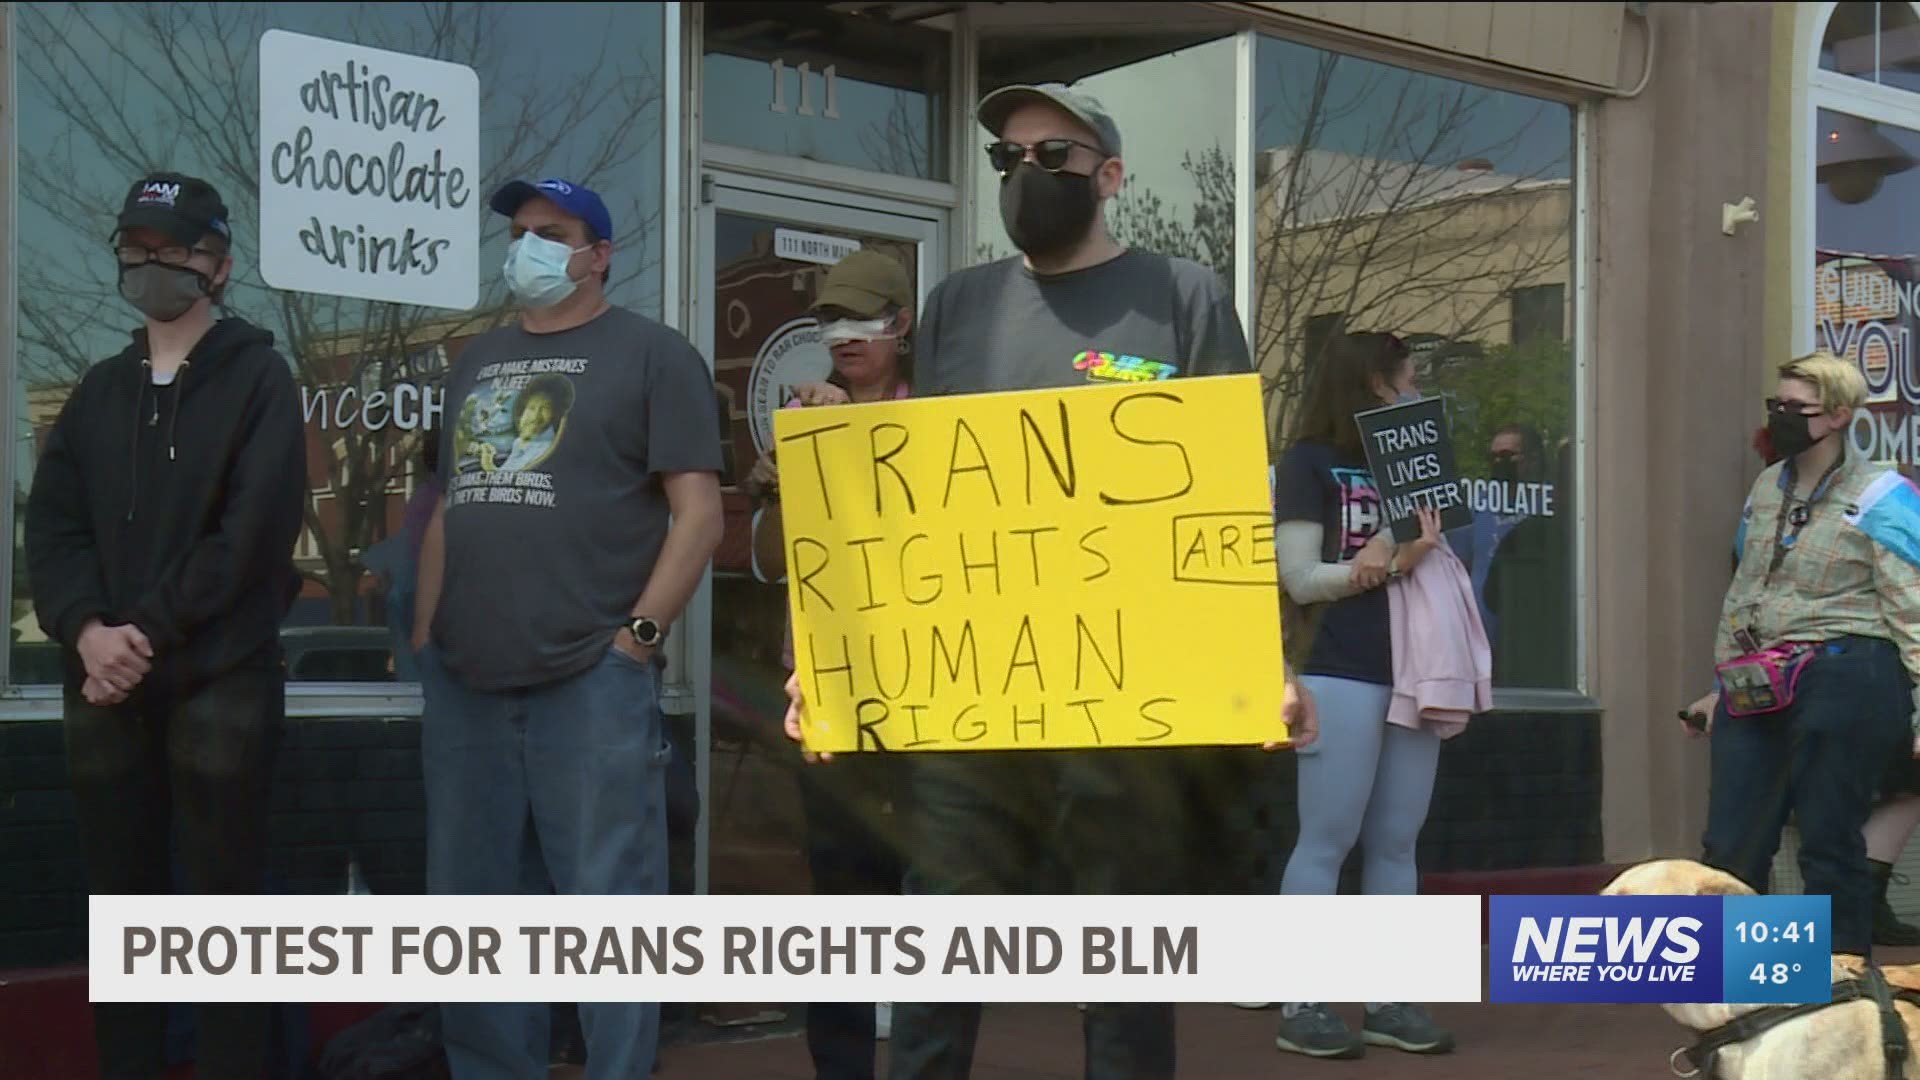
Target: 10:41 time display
1760 933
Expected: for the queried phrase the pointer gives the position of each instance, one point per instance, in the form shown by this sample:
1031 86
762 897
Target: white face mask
536 270
843 331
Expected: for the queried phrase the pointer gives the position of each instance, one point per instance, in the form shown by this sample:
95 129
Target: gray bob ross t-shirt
554 447
1136 317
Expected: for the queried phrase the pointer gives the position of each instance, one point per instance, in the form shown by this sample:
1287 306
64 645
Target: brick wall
43 901
1515 791
343 785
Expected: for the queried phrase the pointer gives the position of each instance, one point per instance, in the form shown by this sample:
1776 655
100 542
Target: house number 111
779 103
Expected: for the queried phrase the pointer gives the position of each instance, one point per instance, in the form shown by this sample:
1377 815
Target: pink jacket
1442 664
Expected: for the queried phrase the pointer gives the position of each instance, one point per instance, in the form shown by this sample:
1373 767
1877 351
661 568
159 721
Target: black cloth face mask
1047 213
1790 434
162 293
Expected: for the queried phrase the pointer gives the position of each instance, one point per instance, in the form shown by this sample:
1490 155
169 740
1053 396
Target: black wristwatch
649 633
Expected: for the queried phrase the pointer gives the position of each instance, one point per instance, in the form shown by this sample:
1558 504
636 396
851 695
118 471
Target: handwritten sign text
1089 567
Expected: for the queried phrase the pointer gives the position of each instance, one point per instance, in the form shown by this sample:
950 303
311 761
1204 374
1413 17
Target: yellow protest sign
1088 567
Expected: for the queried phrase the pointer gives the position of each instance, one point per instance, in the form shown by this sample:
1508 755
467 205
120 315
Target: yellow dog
1843 1041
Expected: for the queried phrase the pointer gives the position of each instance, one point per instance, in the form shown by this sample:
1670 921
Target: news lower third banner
784 948
1762 950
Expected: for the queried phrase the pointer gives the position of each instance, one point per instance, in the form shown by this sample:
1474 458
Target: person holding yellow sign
854 841
1075 309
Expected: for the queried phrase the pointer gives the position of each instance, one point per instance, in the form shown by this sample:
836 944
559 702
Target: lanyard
1800 514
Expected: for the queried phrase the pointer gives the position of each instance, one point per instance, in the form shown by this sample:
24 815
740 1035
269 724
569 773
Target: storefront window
109 91
1443 212
1866 270
1172 99
1877 42
864 91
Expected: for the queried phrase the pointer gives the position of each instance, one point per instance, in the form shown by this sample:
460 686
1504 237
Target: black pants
195 769
996 822
855 846
1819 759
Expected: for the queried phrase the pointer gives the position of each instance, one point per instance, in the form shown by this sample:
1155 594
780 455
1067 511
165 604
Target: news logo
1660 949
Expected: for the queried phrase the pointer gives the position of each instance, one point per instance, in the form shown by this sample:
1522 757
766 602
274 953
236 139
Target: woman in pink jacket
1365 780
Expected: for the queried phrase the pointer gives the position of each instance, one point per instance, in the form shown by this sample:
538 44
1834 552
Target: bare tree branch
139 87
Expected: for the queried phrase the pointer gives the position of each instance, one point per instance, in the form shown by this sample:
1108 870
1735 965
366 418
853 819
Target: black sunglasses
1780 407
1049 154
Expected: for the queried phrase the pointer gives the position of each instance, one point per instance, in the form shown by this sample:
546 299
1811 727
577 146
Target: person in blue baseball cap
581 463
564 222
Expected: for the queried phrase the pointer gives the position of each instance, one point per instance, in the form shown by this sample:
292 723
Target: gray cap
1082 106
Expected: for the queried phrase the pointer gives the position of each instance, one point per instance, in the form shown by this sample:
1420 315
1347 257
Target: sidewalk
1219 1042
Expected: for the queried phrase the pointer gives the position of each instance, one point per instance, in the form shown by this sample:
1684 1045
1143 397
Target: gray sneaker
1317 1031
1406 1027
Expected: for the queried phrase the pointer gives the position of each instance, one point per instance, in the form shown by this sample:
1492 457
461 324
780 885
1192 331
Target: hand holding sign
1410 453
1302 717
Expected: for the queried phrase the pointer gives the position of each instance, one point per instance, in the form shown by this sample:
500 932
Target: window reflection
1866 268
1172 98
1441 211
1877 42
107 90
864 91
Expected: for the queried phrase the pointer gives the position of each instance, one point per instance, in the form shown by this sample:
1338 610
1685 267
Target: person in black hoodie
160 531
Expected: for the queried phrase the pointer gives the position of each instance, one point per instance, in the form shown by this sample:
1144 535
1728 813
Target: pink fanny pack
1765 681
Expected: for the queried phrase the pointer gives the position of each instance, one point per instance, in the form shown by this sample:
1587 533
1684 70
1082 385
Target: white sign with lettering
812 247
369 162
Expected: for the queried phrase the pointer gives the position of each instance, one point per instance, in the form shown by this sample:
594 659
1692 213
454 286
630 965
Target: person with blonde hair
1817 652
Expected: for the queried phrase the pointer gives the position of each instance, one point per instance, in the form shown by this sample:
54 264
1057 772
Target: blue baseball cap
565 194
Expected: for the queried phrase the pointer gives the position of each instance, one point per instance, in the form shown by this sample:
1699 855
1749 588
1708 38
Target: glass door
766 248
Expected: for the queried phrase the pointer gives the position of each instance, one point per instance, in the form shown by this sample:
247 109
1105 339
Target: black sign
1410 452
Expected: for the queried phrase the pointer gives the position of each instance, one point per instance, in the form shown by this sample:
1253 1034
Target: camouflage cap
1082 106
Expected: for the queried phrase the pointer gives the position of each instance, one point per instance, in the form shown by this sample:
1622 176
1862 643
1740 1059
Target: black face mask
1790 434
1046 213
162 293
1506 470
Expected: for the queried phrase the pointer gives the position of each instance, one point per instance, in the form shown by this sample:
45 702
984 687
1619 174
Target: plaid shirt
1833 580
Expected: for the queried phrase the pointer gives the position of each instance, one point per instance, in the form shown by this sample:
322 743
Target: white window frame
1581 332
1816 89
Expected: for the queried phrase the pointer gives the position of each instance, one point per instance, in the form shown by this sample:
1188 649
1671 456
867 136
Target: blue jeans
573 772
1821 758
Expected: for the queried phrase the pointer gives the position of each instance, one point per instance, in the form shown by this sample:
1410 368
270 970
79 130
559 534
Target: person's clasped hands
1380 561
116 659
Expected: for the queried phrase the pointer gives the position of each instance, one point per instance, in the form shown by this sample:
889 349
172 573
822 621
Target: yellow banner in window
1090 567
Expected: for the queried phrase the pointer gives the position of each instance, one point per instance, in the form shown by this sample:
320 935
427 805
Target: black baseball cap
183 208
